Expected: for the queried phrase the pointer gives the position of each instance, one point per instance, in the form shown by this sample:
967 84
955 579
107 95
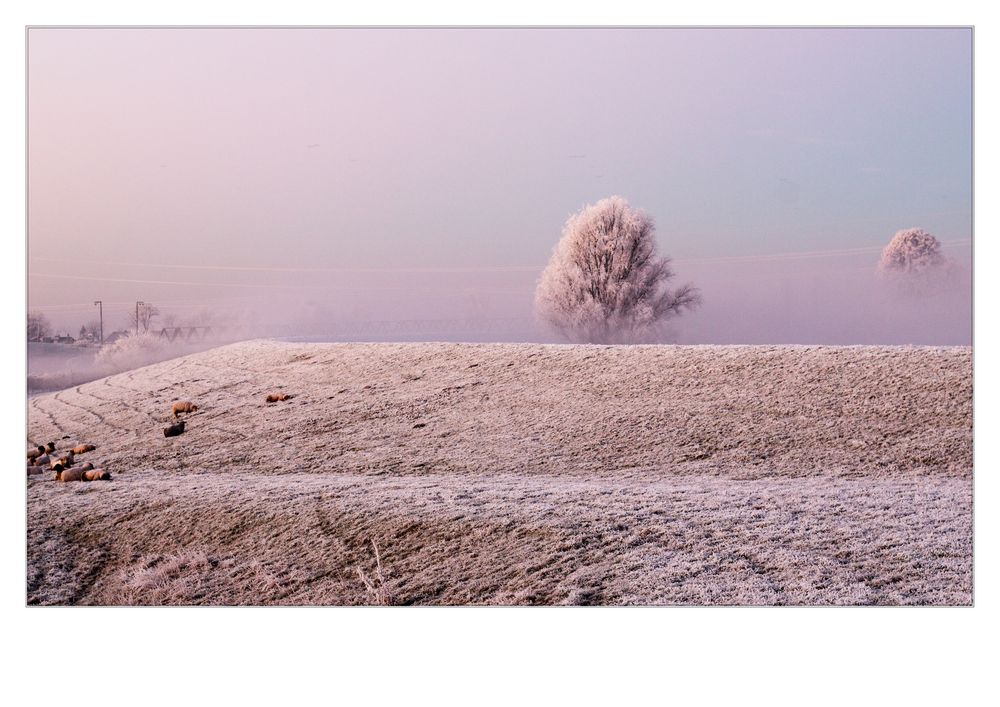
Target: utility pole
100 305
140 302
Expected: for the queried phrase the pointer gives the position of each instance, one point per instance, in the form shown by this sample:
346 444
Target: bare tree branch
147 312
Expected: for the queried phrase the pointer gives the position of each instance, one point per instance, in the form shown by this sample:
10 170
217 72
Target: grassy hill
514 474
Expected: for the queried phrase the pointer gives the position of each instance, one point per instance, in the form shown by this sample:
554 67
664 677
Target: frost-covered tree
38 326
914 265
605 283
912 250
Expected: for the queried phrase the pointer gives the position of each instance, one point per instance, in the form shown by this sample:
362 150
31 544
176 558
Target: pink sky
275 170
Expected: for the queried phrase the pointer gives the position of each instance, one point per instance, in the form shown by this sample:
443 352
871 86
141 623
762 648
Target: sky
302 178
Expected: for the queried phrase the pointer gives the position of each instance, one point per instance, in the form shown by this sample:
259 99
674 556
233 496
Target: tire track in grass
166 374
47 414
76 390
106 401
100 418
121 401
71 418
130 375
139 427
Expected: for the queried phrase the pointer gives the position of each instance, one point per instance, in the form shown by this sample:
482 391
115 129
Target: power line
803 254
174 304
443 270
253 268
316 286
188 283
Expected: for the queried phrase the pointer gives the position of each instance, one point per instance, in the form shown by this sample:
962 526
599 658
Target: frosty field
514 474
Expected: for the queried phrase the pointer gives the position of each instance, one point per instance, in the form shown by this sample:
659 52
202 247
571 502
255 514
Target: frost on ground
514 474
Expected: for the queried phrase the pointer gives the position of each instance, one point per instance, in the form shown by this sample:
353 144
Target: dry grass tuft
378 593
164 579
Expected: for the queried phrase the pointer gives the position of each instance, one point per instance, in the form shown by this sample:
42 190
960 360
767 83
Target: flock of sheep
44 458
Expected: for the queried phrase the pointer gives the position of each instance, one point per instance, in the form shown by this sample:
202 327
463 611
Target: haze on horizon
310 176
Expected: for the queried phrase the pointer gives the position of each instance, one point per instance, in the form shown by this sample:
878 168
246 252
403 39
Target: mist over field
804 303
57 366
826 300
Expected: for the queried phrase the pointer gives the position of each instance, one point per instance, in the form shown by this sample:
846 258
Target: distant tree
38 326
914 265
912 250
147 312
605 282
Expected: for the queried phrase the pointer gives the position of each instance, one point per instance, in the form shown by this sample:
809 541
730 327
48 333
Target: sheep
70 475
36 452
183 406
82 474
83 448
277 397
174 430
66 460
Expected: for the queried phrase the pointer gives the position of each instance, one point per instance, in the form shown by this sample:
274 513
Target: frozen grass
376 587
515 474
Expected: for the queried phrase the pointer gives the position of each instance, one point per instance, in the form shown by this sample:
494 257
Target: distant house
64 339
